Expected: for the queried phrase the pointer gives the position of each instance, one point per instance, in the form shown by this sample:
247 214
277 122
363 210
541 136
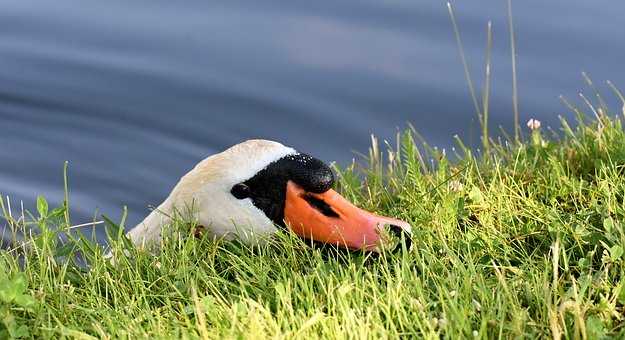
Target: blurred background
134 93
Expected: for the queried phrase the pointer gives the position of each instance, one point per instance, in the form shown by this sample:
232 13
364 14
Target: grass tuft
525 240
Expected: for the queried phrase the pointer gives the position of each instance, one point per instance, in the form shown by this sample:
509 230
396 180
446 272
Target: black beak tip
404 235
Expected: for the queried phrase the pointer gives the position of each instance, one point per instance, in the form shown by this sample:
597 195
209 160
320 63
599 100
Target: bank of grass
526 241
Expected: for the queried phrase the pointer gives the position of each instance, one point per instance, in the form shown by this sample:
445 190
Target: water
133 94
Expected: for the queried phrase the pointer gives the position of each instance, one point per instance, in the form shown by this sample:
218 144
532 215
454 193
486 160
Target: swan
259 187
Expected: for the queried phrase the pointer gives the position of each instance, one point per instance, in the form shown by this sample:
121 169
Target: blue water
134 93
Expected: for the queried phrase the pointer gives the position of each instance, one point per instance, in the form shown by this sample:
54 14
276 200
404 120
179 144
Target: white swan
255 188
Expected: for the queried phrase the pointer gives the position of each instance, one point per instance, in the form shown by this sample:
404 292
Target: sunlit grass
526 240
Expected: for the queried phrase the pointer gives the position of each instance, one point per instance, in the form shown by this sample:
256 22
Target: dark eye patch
267 189
240 191
320 205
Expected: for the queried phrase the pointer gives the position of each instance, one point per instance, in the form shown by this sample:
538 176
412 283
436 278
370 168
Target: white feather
204 195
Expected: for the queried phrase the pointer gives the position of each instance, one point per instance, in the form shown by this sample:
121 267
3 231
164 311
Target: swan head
259 187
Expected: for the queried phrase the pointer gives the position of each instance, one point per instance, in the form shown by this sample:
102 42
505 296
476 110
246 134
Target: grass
523 241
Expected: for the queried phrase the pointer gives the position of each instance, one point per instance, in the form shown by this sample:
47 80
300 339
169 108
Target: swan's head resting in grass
259 187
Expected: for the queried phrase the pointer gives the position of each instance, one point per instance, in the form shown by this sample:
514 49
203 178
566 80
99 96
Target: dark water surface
134 93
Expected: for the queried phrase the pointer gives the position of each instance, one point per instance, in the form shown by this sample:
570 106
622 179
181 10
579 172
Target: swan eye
240 191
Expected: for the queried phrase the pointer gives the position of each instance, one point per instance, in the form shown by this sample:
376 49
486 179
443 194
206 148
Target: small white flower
475 333
455 186
533 124
452 293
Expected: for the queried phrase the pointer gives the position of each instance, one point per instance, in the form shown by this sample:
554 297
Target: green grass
525 241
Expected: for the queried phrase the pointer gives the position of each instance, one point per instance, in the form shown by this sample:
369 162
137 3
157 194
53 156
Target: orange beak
331 219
